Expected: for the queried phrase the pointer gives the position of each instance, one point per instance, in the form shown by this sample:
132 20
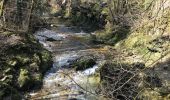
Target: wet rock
50 39
83 63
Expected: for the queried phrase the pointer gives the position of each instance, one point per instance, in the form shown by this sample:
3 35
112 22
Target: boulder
83 63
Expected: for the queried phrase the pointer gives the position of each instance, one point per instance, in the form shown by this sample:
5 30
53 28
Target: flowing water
62 82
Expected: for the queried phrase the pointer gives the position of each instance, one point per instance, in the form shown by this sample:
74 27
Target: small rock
50 39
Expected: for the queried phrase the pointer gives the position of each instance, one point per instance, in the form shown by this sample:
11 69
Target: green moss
84 63
112 34
37 80
23 59
38 77
24 78
45 55
36 59
46 60
12 62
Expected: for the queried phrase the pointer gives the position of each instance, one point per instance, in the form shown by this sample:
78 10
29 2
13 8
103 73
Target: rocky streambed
73 75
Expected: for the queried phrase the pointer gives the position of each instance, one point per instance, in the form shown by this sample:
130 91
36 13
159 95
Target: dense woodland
132 35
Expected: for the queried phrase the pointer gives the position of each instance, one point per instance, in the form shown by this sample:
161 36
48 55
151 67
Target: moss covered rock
23 65
83 63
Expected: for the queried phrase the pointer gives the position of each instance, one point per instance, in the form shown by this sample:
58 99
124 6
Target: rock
50 39
83 63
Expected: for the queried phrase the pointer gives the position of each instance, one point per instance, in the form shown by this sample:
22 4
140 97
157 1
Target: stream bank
23 63
76 59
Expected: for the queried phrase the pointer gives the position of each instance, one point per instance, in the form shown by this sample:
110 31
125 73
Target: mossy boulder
83 63
23 65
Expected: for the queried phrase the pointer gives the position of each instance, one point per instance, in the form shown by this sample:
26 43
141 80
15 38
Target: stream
62 82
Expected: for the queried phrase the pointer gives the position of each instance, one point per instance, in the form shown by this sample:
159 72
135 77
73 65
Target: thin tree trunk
1 7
